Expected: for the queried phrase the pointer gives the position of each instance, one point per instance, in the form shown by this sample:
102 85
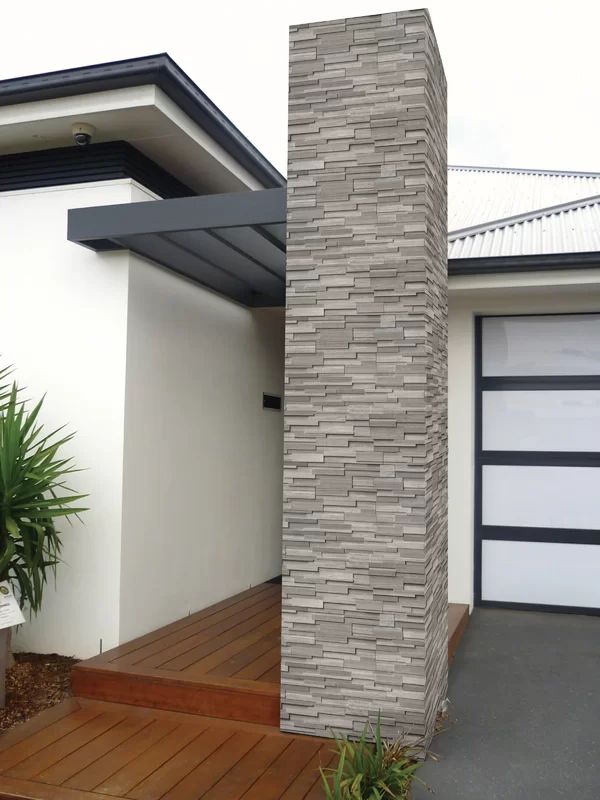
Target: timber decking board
222 661
44 737
186 757
180 624
316 790
458 618
241 777
41 760
284 770
102 769
222 667
240 663
188 641
162 780
203 777
237 700
183 653
61 771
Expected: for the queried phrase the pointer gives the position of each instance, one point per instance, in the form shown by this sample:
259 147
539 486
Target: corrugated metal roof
566 228
482 194
508 212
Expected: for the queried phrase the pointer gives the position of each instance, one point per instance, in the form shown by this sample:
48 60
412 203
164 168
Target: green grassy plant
371 768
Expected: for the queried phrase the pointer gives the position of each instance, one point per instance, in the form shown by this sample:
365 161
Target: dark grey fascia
159 70
232 243
530 263
230 210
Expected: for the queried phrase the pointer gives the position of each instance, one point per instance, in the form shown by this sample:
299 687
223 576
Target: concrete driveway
525 716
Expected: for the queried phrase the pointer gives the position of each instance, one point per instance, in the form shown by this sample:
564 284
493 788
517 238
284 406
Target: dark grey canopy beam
232 243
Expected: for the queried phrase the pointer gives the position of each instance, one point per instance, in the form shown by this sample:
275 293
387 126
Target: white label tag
10 613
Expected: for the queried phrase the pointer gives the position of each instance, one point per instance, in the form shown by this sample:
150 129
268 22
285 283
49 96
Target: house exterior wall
112 336
63 326
203 460
525 293
364 539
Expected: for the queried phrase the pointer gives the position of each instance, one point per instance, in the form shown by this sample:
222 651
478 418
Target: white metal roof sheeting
483 194
568 228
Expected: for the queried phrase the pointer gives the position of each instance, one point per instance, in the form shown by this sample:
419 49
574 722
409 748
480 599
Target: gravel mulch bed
33 683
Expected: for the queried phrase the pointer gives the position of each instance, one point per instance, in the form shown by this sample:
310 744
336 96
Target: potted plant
34 495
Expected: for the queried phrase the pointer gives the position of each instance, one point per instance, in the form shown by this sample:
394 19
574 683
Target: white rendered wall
203 459
63 326
530 293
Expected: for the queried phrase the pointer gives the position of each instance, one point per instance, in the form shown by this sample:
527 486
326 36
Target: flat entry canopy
232 243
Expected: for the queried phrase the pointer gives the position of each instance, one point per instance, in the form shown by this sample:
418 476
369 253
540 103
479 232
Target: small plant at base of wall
371 768
33 496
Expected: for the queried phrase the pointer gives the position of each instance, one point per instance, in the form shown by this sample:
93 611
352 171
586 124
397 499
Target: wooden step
248 701
221 662
458 618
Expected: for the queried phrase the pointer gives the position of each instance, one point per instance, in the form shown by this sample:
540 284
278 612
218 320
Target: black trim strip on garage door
529 458
539 382
540 458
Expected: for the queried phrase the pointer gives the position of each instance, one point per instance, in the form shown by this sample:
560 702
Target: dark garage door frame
528 458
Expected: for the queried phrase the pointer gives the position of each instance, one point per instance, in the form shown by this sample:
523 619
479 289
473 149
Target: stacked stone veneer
364 544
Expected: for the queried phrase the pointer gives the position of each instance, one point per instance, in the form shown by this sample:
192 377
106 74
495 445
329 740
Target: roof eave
529 263
161 71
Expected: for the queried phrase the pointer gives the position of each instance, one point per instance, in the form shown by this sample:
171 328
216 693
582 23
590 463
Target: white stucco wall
63 326
203 460
526 293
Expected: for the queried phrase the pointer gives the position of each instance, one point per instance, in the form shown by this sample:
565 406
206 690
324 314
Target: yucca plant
4 386
371 768
33 496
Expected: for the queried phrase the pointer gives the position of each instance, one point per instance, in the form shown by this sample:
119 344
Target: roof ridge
524 170
515 219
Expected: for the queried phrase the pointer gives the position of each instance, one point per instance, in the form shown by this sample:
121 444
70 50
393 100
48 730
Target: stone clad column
364 541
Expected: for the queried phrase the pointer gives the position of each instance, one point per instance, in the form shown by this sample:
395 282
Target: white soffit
141 115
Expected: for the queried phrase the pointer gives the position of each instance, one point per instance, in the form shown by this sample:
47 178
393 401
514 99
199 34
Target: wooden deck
125 736
89 750
221 662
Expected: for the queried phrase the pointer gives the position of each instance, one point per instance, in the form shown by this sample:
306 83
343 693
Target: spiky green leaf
34 495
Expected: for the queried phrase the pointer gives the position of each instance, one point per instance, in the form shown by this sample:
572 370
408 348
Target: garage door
537 475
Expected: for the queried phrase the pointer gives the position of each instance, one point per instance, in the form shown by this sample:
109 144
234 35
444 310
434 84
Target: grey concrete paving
525 716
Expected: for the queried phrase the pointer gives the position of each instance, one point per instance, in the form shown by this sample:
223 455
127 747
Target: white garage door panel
541 497
546 573
560 420
546 345
539 458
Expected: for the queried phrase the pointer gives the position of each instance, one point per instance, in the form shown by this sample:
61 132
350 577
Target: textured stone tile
364 540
